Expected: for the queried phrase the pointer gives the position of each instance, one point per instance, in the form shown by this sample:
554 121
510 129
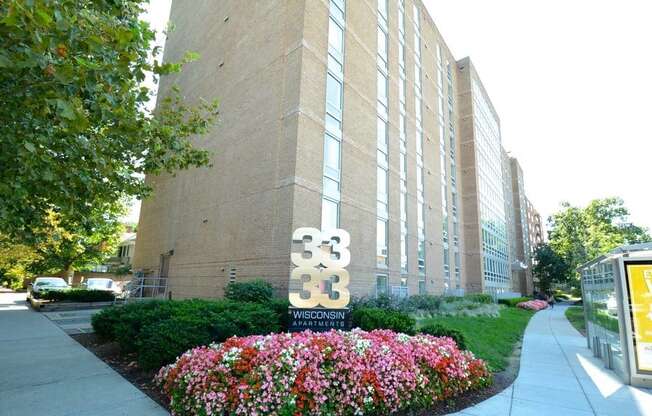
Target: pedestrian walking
551 301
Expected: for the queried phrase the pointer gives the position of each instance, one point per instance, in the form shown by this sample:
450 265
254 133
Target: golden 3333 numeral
324 258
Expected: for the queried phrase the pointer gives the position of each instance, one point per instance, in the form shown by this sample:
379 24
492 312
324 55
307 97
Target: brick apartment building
335 114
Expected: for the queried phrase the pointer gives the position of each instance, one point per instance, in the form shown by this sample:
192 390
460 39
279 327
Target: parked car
42 284
101 283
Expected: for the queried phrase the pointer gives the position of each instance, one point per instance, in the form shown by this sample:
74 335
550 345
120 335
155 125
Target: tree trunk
69 274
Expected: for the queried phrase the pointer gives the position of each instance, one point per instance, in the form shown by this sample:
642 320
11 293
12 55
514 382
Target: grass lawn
491 339
575 315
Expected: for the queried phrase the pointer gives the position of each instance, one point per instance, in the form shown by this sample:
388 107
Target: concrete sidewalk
45 372
559 376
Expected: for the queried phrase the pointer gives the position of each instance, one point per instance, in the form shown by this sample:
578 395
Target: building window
422 287
335 37
382 288
382 45
334 94
329 214
331 157
381 243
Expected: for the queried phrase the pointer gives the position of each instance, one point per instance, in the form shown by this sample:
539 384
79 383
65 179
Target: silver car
101 283
42 284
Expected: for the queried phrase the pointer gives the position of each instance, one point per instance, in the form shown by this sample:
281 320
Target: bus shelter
617 296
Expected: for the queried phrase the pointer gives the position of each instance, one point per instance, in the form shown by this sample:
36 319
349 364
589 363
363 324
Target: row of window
453 175
382 197
402 140
486 127
443 164
334 107
382 220
495 250
421 209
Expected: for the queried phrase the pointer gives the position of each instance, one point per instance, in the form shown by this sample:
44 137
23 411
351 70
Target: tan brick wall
266 62
237 213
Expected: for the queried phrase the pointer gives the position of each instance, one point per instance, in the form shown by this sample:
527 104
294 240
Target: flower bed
535 305
338 373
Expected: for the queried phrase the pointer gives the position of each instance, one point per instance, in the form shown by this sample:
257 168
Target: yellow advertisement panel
639 283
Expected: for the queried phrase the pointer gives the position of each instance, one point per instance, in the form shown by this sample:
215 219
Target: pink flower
535 305
310 373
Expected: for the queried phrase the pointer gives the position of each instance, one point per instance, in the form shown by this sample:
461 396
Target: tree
579 235
66 245
15 260
568 235
549 267
75 135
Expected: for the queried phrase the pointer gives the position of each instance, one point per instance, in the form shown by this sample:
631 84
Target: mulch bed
127 367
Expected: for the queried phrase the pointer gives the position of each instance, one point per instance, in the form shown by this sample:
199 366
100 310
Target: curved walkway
45 372
560 376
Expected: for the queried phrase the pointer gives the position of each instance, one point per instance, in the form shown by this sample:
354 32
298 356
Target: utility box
617 296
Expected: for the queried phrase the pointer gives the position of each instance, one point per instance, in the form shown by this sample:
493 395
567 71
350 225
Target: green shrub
159 331
438 330
105 321
513 301
376 318
479 298
78 295
280 308
412 304
560 296
14 278
137 316
255 291
479 304
426 303
162 343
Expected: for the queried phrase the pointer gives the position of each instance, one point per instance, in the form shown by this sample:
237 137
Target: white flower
231 355
362 345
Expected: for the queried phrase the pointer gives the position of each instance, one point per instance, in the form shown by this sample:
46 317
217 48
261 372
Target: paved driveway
45 372
73 322
560 376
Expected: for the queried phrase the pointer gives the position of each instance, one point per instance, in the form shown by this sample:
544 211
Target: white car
42 284
100 283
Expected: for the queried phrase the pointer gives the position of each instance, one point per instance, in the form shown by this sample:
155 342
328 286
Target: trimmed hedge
369 319
258 291
438 330
78 295
513 301
422 303
479 298
159 331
